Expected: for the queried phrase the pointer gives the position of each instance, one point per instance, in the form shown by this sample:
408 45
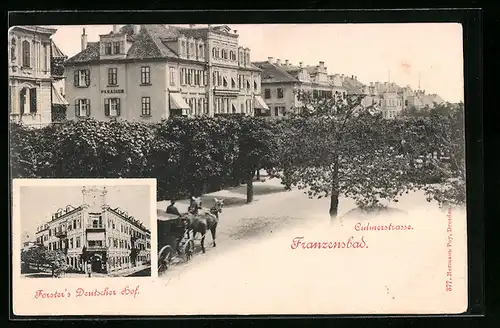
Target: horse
201 220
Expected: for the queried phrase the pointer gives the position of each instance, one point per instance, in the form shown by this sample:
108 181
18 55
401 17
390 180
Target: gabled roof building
151 72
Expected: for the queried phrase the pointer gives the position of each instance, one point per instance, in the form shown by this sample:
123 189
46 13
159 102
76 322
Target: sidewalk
126 272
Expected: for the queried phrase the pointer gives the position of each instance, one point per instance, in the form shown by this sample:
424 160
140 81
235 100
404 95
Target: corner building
107 238
152 72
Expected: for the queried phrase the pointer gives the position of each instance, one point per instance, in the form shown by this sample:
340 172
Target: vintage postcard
249 169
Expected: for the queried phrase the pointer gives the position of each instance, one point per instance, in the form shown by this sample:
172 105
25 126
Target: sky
39 202
431 53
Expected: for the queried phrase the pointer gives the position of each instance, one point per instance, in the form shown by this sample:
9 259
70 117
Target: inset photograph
86 230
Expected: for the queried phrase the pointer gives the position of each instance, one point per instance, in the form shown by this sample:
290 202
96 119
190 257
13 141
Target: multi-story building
30 81
282 80
59 102
96 233
151 72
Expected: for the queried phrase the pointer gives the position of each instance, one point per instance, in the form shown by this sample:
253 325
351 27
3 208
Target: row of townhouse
152 72
281 80
93 232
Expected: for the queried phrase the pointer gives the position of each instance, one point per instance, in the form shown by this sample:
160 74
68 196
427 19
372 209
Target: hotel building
31 91
96 233
152 72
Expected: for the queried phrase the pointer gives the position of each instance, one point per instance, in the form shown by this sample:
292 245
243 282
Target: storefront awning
57 98
177 102
259 103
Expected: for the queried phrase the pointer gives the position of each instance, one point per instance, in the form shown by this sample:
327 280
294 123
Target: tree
57 261
342 148
257 149
34 255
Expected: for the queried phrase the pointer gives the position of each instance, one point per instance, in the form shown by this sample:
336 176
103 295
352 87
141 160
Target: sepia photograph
322 165
85 231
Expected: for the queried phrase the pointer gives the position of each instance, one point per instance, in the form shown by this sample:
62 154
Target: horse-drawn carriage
176 233
174 242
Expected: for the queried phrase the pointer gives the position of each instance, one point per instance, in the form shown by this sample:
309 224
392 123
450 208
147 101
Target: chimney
321 64
287 62
278 61
352 77
84 40
235 31
137 29
301 64
270 60
115 29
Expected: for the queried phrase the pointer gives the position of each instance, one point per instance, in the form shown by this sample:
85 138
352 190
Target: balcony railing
96 226
61 234
96 248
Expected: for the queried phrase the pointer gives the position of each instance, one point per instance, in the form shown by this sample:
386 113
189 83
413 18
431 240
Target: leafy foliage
40 255
332 146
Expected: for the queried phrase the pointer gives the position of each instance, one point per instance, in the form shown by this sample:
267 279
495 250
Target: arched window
213 52
231 55
13 49
26 54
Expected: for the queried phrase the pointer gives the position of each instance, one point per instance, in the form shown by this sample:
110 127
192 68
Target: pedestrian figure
172 209
89 269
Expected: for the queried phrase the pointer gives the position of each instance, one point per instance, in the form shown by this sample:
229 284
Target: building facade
93 232
152 72
282 80
30 81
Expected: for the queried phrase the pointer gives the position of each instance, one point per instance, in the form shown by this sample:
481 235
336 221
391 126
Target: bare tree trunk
250 188
334 197
258 174
286 178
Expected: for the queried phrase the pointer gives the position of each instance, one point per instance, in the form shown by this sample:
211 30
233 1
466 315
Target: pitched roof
352 86
56 52
152 41
274 74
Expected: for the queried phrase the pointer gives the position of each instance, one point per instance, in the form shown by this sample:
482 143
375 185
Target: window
146 106
145 75
255 85
107 48
112 76
13 50
248 84
406 102
26 53
172 76
71 243
225 82
112 106
33 100
233 83
82 78
82 107
78 242
280 92
191 48
267 93
116 47
183 74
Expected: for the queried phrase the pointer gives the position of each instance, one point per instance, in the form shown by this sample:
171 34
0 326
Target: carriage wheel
189 249
164 258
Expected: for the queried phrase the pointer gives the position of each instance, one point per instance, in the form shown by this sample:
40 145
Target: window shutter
76 78
87 77
117 106
88 106
106 106
77 108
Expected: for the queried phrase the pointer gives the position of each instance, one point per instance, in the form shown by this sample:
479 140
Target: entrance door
96 264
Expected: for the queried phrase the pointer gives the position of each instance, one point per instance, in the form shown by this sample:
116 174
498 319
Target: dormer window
200 51
107 48
191 49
